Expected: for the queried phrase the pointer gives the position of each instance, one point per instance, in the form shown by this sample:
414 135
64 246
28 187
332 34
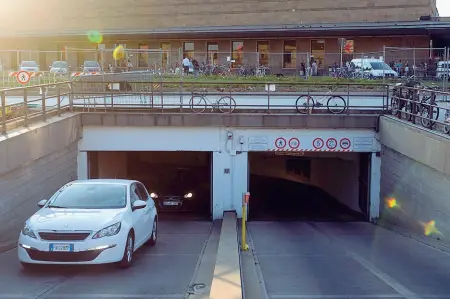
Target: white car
59 67
29 66
90 222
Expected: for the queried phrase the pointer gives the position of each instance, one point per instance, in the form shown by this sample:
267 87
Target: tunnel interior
308 187
179 182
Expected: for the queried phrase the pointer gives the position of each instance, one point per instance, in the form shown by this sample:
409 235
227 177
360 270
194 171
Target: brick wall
145 14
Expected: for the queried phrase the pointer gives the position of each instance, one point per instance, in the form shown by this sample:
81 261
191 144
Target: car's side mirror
138 205
42 203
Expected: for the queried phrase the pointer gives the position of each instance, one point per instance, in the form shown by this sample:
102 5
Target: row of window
289 54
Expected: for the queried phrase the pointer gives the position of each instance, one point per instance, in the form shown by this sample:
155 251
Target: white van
377 68
443 69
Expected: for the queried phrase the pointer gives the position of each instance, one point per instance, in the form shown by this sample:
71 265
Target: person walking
186 65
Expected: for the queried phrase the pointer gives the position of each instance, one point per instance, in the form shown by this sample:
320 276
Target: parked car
90 222
29 66
59 67
442 70
91 67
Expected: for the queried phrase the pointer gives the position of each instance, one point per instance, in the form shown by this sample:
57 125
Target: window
237 54
90 196
165 48
142 192
188 50
263 53
318 51
213 53
290 54
134 195
143 55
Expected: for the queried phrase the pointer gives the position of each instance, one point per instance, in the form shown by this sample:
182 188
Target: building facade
277 34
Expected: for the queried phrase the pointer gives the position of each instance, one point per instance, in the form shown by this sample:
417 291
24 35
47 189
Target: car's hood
72 219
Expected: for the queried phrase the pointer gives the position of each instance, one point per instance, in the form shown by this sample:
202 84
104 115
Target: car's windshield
29 63
90 196
380 66
91 64
60 64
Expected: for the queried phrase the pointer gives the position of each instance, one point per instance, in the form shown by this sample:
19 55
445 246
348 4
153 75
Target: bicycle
199 102
335 104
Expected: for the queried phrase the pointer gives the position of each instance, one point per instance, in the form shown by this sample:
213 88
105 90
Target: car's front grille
45 256
172 197
79 236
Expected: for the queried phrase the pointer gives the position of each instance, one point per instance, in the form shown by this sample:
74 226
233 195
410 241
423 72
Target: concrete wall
34 163
85 15
339 178
415 171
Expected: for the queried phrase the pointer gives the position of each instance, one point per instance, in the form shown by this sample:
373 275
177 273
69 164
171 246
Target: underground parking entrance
179 182
309 186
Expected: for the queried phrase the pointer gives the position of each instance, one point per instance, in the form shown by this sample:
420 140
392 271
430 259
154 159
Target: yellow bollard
244 245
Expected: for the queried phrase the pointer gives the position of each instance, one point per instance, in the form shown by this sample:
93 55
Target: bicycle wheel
425 117
304 104
197 104
226 104
395 106
407 114
336 105
447 124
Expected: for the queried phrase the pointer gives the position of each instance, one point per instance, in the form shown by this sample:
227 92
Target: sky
443 7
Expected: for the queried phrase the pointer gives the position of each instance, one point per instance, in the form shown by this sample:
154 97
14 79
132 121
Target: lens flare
95 37
430 228
391 203
119 53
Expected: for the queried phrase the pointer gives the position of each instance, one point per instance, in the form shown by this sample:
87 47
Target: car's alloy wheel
154 236
127 258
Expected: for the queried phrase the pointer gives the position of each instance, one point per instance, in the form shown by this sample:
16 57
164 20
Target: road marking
398 287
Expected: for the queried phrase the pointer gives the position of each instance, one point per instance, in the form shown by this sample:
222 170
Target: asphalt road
346 260
163 271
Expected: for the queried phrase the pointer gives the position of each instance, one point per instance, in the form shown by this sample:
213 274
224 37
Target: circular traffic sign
23 77
280 143
294 143
331 143
318 143
345 143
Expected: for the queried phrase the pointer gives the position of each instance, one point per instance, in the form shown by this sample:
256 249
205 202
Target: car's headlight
27 231
108 231
188 195
153 195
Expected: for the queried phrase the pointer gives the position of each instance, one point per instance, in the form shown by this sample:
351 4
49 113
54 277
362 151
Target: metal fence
421 62
426 107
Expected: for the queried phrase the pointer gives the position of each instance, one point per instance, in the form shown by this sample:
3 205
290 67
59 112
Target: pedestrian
186 65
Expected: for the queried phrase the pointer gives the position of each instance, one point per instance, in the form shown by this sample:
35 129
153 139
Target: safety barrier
19 106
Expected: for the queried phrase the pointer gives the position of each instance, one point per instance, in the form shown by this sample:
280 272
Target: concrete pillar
112 165
375 186
82 165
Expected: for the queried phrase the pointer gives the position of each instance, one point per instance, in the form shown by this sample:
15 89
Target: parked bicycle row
413 101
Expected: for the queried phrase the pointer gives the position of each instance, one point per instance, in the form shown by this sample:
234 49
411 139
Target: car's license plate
171 203
61 247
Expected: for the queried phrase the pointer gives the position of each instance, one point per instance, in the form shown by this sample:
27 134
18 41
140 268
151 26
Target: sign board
23 77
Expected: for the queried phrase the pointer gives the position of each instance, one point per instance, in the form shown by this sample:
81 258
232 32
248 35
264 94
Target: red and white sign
23 77
331 143
318 143
280 143
294 143
345 143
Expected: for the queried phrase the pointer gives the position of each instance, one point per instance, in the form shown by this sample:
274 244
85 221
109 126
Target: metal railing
21 106
423 106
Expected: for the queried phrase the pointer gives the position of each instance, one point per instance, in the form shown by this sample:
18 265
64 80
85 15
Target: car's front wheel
154 236
28 266
127 258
